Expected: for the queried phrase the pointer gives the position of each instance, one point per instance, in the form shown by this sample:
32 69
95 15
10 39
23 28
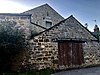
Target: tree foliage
13 40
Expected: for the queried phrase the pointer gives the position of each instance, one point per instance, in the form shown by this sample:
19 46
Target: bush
13 45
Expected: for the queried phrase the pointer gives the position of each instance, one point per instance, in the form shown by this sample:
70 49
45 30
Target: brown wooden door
70 53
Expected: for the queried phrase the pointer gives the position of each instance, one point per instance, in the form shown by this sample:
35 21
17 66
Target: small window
48 24
47 14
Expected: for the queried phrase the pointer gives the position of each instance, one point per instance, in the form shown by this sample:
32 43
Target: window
47 14
48 24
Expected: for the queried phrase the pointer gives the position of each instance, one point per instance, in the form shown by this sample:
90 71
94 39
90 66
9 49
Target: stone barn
65 45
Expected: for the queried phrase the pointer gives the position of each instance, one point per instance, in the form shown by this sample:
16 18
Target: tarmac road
84 71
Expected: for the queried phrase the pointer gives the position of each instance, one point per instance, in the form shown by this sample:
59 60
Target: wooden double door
70 53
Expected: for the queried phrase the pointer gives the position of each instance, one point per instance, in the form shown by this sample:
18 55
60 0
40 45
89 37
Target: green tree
13 45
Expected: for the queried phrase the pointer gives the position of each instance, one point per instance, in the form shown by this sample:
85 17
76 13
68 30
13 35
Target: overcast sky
84 10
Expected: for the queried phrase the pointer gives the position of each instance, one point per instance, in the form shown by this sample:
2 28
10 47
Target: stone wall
36 29
44 52
20 19
91 52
